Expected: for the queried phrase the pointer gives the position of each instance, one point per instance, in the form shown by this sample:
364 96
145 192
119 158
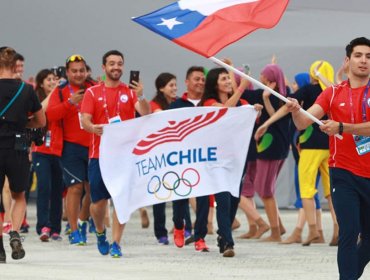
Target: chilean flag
207 26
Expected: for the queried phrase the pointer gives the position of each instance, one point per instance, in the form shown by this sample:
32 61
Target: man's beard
114 77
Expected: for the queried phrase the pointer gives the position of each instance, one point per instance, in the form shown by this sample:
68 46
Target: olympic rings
196 172
163 198
164 182
155 183
183 180
157 187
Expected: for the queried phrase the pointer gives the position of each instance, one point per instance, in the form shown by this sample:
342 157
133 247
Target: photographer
17 101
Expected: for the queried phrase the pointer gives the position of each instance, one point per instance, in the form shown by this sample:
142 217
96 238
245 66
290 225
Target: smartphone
82 88
134 76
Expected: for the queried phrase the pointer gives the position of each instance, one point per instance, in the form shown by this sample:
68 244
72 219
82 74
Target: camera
36 135
61 72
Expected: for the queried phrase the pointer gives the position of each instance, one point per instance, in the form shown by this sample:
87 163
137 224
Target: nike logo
342 104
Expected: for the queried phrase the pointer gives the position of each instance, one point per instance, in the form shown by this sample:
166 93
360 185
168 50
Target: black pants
351 200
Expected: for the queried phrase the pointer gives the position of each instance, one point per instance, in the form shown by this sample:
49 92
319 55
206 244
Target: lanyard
364 103
106 105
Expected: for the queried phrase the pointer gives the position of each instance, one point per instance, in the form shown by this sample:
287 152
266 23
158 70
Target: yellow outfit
310 162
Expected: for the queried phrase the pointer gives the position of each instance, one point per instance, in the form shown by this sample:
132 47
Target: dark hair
40 77
194 69
7 58
112 52
161 81
3 48
361 41
18 56
210 87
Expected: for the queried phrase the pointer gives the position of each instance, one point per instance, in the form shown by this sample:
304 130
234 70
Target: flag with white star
208 26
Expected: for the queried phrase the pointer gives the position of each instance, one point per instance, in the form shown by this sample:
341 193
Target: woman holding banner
221 91
166 87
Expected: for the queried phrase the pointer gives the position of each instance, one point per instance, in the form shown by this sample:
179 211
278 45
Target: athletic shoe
92 228
2 257
56 237
229 251
102 243
75 238
201 246
45 234
189 238
16 245
67 230
82 226
178 237
163 240
115 250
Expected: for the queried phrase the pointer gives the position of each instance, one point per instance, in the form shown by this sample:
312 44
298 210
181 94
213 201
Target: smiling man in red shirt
109 102
348 108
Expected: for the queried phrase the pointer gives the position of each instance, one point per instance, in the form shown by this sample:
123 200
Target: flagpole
261 85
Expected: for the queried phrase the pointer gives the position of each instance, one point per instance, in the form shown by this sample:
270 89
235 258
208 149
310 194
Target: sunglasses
75 57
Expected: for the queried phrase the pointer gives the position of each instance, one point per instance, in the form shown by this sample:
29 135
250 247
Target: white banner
175 154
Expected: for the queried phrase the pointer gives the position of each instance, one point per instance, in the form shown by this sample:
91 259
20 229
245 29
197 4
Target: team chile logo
172 183
177 131
123 98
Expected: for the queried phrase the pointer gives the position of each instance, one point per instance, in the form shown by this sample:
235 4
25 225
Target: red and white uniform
344 104
104 103
69 114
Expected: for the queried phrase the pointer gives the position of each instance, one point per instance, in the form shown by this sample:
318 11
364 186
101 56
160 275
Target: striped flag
207 26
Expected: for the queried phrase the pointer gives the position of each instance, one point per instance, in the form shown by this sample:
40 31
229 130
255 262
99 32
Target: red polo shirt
104 103
336 102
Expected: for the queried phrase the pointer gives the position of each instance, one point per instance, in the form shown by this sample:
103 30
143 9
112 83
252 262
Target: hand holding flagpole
261 85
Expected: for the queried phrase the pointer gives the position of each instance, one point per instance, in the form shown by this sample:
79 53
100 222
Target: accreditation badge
362 144
115 119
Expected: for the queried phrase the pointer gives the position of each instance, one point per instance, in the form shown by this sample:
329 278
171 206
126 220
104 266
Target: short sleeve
87 106
154 106
324 99
35 102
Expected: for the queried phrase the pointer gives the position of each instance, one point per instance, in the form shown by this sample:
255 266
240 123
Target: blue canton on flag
171 21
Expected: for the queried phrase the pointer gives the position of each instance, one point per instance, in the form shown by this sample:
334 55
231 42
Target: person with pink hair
273 148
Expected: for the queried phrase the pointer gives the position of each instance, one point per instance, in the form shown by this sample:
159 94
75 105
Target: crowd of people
53 128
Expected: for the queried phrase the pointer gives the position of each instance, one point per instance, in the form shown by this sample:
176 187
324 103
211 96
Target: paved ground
145 259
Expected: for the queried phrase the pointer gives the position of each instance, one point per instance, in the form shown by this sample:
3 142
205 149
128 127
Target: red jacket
68 114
